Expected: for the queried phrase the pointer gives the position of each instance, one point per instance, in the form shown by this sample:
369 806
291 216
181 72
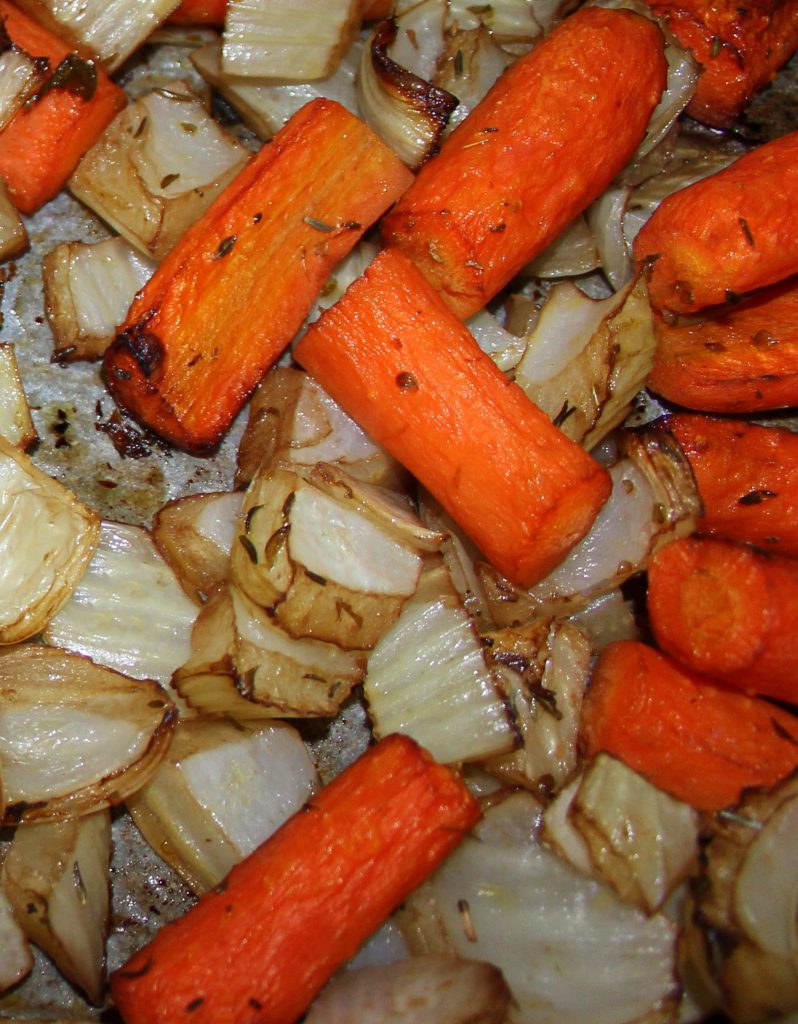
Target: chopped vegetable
290 914
199 12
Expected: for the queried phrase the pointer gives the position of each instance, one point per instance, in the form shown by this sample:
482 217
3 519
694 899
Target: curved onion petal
13 234
75 737
46 542
20 76
471 63
418 43
606 218
422 990
504 348
573 253
407 112
569 949
16 425
17 959
517 22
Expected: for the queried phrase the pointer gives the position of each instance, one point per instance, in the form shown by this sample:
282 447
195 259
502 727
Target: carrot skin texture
199 12
744 359
729 612
233 293
700 742
747 479
260 946
725 235
401 364
739 47
523 163
43 143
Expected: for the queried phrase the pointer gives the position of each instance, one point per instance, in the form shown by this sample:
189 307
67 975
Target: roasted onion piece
13 233
16 425
17 959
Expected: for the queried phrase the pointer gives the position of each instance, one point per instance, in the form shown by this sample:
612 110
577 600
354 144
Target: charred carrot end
518 170
727 234
261 945
43 143
729 612
199 12
401 364
700 742
747 478
233 293
741 360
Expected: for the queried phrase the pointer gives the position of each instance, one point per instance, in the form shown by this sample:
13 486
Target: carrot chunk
262 944
726 234
729 612
199 12
42 144
743 359
524 163
399 361
232 294
698 741
747 479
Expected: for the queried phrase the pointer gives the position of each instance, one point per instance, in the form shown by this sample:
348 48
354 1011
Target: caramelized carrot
743 359
729 612
747 479
399 362
700 742
725 235
524 163
199 12
261 945
740 48
44 141
232 294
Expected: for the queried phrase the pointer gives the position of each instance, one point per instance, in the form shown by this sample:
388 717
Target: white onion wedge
16 425
17 959
20 76
75 737
222 790
57 878
13 233
46 542
572 253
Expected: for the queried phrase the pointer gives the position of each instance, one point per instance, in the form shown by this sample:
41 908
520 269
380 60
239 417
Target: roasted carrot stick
400 363
698 741
44 141
232 294
729 612
743 359
261 945
747 479
726 234
524 162
740 48
199 12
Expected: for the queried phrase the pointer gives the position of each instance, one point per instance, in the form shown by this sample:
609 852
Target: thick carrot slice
524 163
744 359
740 48
44 141
747 479
729 612
401 364
235 290
700 742
725 235
199 12
261 945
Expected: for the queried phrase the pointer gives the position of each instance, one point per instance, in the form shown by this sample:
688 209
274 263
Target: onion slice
16 425
17 960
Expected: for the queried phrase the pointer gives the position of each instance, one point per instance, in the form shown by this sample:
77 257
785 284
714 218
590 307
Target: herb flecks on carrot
524 162
698 741
44 141
404 367
260 946
235 290
725 235
743 359
729 612
747 479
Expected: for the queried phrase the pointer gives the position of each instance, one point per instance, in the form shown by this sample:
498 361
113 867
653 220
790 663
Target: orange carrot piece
729 612
233 293
376 10
739 47
44 141
700 742
262 944
725 235
747 478
524 163
744 359
199 12
401 364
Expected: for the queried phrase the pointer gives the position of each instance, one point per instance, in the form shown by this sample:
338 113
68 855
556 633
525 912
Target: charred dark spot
143 345
406 381
129 442
195 1004
225 246
73 75
756 497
